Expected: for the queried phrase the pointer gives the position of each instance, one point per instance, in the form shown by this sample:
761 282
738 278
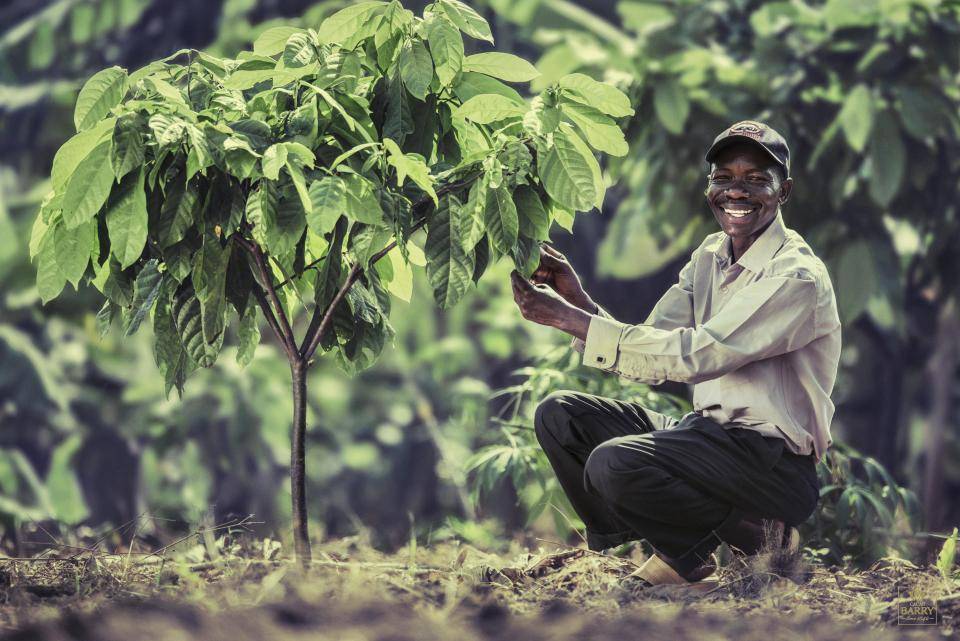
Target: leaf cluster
200 188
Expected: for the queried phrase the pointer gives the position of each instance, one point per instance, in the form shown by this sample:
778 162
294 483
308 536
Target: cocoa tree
291 183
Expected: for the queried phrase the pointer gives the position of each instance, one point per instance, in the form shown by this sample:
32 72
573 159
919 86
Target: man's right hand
554 270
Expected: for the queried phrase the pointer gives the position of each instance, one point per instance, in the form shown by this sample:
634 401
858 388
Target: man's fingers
553 252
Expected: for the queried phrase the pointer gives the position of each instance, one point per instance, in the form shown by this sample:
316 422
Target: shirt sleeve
578 344
768 317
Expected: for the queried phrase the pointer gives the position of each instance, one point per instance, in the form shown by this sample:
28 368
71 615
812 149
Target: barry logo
747 128
916 609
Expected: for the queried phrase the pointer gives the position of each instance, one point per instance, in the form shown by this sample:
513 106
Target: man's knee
551 416
615 479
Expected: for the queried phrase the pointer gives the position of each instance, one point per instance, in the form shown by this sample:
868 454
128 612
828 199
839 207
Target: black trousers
631 473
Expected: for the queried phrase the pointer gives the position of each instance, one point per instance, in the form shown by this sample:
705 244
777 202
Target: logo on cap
748 128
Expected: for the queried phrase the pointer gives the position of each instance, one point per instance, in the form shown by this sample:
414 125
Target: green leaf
346 23
473 84
329 202
362 203
299 51
416 68
101 93
171 94
167 130
470 217
171 358
534 221
598 129
189 323
73 247
88 187
947 556
178 211
146 288
274 158
487 108
888 159
449 267
274 40
599 95
50 280
261 212
672 105
397 119
856 280
467 20
500 219
62 486
410 165
75 150
290 223
105 318
209 282
127 152
446 47
566 173
504 66
248 335
856 117
300 184
127 219
921 110
401 285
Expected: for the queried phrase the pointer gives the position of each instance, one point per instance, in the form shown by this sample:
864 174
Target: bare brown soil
456 593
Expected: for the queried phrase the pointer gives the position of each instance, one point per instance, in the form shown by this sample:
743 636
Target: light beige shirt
759 338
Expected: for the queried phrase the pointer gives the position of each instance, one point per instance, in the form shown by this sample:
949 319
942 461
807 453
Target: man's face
744 190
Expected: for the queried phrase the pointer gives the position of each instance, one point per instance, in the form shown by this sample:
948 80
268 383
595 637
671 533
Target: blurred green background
435 439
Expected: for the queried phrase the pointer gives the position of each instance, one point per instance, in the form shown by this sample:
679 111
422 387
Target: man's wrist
576 322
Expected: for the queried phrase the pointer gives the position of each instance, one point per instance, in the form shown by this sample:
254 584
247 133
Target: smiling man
752 323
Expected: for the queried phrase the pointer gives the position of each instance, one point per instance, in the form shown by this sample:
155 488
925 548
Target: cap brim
733 139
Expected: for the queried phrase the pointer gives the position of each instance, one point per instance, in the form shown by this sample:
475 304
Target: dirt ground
456 592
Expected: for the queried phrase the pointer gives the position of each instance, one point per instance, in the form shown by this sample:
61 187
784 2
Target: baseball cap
758 133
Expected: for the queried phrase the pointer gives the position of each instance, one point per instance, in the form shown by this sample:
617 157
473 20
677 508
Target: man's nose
736 191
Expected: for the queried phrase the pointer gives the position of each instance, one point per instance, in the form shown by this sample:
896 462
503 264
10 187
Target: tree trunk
941 369
298 473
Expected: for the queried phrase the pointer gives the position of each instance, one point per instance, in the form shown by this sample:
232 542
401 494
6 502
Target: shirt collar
760 252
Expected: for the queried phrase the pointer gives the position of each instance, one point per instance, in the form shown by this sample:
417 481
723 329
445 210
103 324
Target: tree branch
322 319
275 316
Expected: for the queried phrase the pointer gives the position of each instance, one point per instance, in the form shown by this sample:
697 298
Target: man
753 324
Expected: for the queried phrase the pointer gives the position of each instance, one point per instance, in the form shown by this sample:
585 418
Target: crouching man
753 325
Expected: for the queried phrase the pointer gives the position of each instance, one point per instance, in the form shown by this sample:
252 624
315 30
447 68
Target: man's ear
786 188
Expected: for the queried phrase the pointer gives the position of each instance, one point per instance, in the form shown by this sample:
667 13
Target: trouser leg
569 426
684 488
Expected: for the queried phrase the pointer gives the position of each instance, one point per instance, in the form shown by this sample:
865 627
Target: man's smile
739 212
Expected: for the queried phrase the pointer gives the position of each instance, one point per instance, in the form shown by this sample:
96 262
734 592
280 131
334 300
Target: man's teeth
737 213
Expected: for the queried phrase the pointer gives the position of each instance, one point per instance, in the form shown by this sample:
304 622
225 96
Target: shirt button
723 289
600 359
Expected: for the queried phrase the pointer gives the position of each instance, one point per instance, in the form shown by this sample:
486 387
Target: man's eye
758 179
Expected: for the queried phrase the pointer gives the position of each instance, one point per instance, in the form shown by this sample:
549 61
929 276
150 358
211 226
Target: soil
454 592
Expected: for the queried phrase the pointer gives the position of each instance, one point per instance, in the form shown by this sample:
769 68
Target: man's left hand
540 304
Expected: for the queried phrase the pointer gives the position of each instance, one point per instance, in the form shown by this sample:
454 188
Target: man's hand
540 304
556 272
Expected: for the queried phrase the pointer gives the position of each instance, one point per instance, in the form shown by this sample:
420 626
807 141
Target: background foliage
863 91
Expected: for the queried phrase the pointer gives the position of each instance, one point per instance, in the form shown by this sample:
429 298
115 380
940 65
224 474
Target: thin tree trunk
941 370
298 472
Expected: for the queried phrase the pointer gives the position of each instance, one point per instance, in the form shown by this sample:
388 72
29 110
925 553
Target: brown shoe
657 571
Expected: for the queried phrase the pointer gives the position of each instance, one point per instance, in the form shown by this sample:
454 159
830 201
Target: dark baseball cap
764 136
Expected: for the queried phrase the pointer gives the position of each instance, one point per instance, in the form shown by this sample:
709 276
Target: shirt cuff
603 342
